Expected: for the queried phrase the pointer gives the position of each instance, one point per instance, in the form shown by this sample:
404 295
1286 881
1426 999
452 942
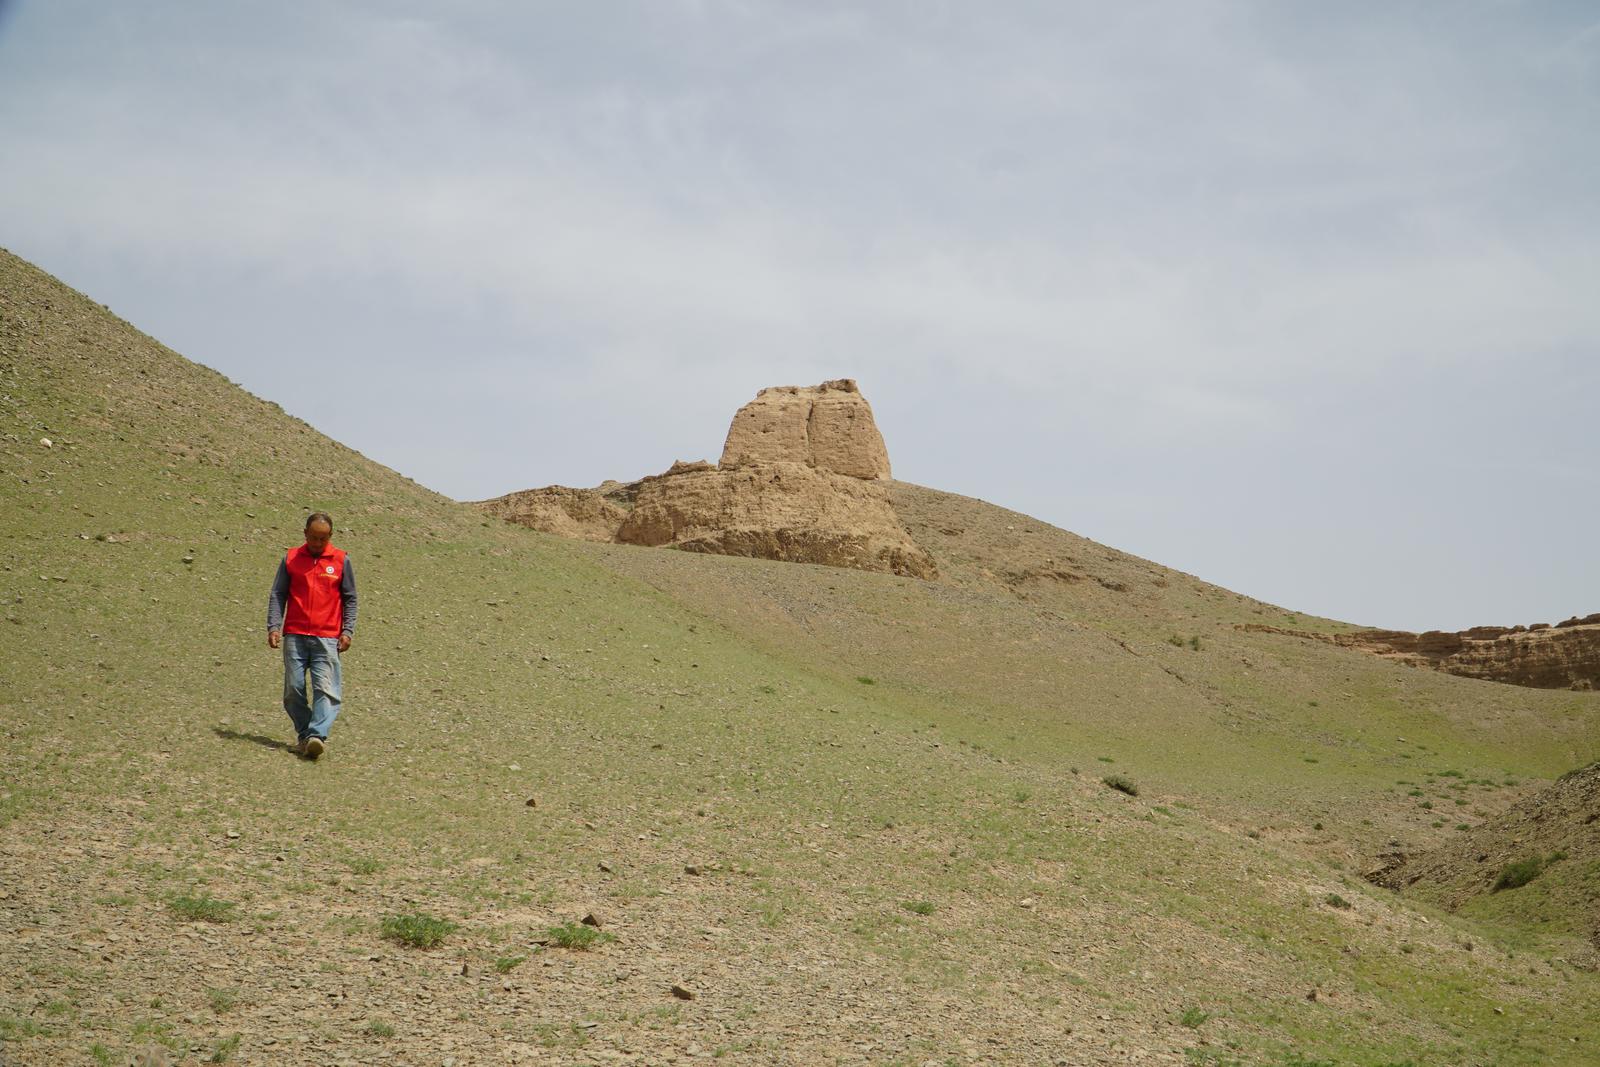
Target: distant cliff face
1563 656
802 479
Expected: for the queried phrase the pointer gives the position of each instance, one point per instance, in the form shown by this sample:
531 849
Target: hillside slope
1535 866
859 817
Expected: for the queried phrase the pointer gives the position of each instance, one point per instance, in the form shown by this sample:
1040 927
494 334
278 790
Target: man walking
311 612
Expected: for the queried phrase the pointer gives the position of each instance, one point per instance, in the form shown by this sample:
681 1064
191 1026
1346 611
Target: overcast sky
1302 298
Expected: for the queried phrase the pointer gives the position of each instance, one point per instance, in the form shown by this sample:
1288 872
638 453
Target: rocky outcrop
803 478
1541 656
786 511
584 514
828 426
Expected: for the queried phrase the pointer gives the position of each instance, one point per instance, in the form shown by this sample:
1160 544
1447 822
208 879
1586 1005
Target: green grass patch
224 1050
12 1027
577 936
202 909
1519 873
1121 783
417 930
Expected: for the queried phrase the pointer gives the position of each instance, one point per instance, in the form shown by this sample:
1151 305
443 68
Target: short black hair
319 516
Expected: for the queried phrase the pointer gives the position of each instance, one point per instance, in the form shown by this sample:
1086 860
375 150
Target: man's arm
275 601
347 597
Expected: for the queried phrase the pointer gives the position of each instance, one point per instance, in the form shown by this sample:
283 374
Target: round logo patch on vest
330 570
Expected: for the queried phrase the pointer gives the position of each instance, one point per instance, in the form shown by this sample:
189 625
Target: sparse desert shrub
1193 1017
1210 1057
204 908
577 936
222 1000
1519 873
1194 643
1121 783
417 930
1175 641
12 1027
1334 900
225 1050
507 964
865 680
919 907
379 1028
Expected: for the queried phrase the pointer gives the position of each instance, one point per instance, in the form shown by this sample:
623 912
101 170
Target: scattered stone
693 868
606 867
685 993
591 919
46 442
531 802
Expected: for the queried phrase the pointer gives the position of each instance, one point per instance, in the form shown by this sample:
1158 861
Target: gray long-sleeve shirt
280 596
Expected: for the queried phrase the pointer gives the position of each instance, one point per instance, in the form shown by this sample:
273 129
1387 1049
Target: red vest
315 607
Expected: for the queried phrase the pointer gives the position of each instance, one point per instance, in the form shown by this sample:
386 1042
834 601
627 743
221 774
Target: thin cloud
1120 230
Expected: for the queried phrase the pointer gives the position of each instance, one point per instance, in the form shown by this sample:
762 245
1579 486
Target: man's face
318 534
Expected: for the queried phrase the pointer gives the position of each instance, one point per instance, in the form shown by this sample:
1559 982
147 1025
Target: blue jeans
320 657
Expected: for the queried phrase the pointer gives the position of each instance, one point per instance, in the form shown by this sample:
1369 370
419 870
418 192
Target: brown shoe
315 746
298 748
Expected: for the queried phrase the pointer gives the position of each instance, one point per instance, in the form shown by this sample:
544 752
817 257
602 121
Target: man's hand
273 638
344 643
